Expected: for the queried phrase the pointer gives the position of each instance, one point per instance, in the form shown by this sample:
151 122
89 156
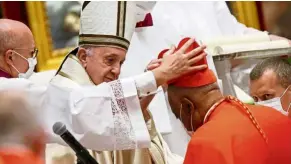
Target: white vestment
93 114
103 117
171 22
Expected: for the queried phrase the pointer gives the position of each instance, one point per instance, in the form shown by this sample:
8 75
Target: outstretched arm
108 116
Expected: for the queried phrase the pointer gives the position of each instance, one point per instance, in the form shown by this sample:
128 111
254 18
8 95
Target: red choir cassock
19 156
235 133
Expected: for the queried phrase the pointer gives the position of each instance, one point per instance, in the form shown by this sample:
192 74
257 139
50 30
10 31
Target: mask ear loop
181 113
284 94
191 119
20 55
192 122
15 68
285 91
289 107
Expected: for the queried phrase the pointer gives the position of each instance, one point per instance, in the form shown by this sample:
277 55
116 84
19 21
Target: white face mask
276 104
31 65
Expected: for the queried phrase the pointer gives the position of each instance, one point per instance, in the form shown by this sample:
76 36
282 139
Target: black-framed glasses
33 53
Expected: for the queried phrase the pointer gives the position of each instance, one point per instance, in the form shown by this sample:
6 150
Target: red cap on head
194 79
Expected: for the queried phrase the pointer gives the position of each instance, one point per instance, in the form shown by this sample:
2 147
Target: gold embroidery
80 79
104 40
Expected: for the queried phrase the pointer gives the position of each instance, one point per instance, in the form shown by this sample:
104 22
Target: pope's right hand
175 64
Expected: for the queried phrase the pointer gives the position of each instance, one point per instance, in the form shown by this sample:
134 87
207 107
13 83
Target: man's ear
187 106
82 56
193 114
9 57
186 112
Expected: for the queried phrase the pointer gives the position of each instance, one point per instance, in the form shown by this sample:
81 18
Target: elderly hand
153 64
175 64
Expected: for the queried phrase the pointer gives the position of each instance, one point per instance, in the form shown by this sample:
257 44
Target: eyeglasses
33 53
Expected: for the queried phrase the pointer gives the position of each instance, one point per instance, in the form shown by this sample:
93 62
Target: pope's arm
34 91
91 112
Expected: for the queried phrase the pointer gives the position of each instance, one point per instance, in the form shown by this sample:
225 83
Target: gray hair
17 119
8 36
89 49
8 39
280 66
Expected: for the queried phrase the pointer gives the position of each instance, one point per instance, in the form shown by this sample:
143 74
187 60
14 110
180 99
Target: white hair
89 49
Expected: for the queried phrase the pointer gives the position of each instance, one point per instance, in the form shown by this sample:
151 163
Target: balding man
17 48
270 82
21 139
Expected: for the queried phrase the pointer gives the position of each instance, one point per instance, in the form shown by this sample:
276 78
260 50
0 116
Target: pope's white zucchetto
108 23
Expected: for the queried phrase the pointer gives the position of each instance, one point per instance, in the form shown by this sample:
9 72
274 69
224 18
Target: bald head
187 102
16 46
194 94
14 34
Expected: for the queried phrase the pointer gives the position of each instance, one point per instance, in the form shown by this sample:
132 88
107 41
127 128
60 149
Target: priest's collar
73 52
72 69
5 74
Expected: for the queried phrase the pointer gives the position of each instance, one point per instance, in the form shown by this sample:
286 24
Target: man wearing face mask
270 82
226 130
17 48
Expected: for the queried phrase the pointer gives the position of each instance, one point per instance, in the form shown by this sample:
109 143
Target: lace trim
123 130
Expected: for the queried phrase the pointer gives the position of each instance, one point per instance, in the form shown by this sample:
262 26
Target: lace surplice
123 130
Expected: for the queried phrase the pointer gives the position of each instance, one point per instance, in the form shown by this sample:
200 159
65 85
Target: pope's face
268 87
102 64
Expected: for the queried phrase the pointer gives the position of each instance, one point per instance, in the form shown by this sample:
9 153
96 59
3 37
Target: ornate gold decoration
48 58
246 12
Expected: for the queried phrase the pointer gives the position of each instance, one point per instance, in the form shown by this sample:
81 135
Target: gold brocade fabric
153 155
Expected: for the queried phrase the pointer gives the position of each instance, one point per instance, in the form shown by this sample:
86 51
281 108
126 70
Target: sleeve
104 117
146 84
228 23
34 92
204 152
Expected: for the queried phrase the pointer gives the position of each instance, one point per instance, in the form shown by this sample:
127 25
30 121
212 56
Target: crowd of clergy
144 86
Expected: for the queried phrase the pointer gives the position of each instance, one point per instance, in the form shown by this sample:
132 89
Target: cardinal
223 129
